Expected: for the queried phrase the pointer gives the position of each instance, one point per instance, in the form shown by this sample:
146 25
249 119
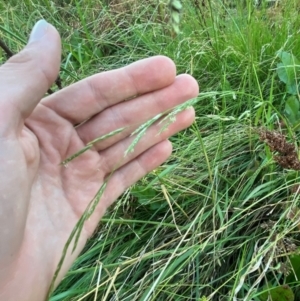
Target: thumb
25 77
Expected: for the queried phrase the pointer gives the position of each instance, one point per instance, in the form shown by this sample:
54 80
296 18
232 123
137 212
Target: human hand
41 200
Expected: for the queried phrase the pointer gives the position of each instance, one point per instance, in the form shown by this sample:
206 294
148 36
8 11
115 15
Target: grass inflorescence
220 219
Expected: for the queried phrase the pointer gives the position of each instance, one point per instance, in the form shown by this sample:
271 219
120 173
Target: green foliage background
219 220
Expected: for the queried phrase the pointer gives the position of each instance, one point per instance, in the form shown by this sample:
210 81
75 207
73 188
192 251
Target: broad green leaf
292 88
288 71
287 75
279 293
292 104
143 195
292 109
283 76
288 59
295 274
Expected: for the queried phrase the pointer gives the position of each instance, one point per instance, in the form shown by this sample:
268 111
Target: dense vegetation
220 219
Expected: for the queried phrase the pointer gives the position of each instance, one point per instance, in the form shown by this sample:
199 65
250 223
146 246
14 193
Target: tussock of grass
209 223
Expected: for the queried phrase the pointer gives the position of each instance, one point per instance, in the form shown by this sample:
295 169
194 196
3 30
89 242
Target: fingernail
38 31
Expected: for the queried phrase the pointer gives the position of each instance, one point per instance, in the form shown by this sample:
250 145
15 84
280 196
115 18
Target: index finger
90 96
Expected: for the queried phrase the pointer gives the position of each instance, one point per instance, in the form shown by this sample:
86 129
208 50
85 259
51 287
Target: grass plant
220 219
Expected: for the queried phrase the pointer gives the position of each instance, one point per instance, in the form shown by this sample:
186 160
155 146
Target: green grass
208 224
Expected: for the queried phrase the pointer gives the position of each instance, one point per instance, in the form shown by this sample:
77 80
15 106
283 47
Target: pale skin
41 200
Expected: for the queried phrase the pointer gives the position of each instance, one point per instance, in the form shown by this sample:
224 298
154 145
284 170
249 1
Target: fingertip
188 85
45 44
167 68
156 72
156 155
184 119
166 147
165 63
189 115
38 31
41 54
194 86
26 76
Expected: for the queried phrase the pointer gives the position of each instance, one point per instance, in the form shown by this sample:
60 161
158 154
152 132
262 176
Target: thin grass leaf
72 157
90 144
76 233
110 134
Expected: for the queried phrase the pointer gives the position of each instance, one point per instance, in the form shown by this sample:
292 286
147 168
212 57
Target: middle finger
114 157
132 113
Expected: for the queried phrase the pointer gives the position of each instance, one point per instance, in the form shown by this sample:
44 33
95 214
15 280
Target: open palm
41 200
